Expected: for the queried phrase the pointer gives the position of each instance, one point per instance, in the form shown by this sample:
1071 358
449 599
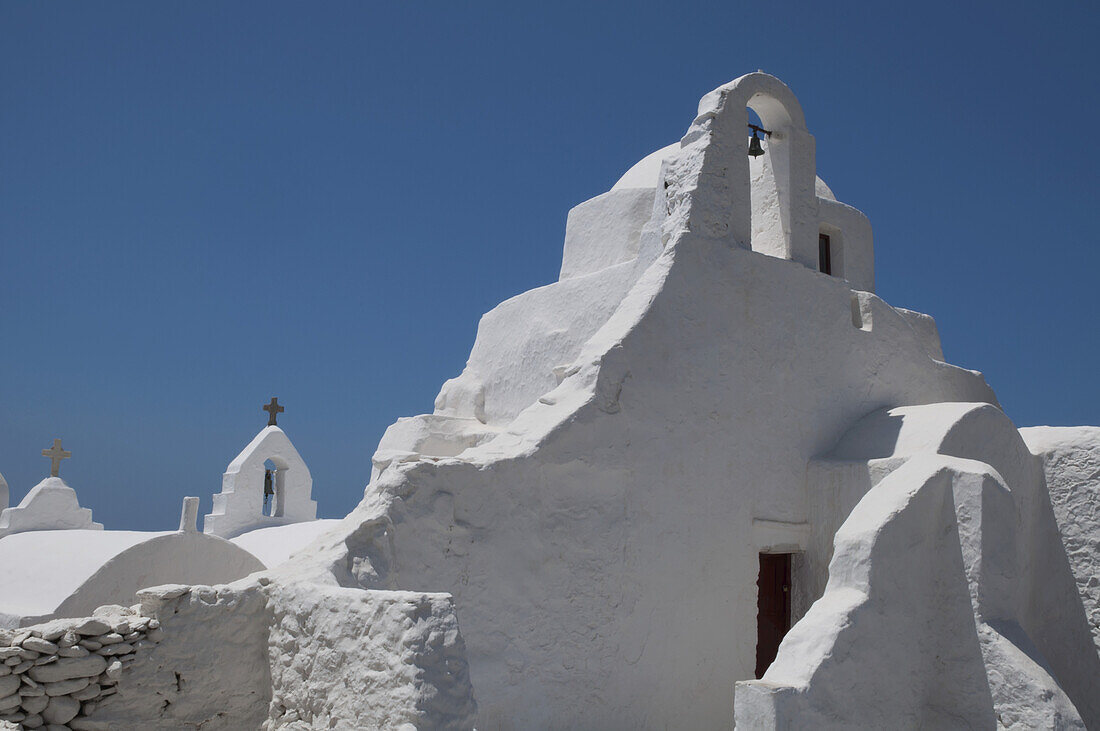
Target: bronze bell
755 150
269 489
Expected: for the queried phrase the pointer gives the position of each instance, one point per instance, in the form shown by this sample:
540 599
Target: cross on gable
273 409
56 454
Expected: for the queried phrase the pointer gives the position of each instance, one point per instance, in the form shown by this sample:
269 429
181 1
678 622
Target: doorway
773 616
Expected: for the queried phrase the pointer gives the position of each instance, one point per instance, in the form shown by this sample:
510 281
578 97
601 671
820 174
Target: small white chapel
55 561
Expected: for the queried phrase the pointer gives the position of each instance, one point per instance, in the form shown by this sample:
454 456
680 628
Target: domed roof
68 573
645 172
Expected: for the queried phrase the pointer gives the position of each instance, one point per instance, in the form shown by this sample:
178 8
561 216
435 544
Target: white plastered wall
604 542
602 547
239 506
1042 602
919 626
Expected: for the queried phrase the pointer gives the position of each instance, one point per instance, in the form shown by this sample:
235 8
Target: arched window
274 481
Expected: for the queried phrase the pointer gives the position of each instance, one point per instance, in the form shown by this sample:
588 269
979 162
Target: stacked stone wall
57 673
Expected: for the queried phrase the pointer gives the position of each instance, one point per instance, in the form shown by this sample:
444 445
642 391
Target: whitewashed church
707 479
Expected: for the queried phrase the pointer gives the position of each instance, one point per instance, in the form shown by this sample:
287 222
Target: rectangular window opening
773 616
824 254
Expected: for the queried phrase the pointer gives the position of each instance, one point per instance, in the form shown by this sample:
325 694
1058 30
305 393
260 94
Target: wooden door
773 617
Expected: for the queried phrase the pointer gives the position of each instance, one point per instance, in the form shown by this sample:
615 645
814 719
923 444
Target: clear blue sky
205 204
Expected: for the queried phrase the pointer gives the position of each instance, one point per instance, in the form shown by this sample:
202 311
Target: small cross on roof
273 409
56 454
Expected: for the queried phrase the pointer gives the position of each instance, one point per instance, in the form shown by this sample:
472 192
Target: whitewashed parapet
50 505
55 674
262 654
328 643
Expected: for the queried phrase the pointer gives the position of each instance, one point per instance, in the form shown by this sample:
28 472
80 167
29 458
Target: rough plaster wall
1071 462
210 670
925 326
347 658
259 653
432 434
604 231
938 528
521 342
1045 589
1070 457
599 549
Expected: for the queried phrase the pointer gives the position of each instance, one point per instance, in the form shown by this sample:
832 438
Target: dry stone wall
56 674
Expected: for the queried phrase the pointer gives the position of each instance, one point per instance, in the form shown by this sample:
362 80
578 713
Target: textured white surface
210 669
51 504
600 548
68 573
347 658
870 654
1071 461
589 243
259 654
239 507
525 344
1049 608
274 545
594 488
605 231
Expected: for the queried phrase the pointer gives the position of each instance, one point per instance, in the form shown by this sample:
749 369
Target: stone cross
273 409
56 454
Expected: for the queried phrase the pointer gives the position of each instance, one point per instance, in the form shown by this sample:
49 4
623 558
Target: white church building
707 479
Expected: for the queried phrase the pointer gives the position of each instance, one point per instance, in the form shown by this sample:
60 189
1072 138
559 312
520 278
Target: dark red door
773 616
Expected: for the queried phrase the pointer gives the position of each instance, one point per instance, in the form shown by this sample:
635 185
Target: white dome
645 172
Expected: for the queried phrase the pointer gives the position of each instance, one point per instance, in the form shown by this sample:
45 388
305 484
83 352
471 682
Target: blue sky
205 204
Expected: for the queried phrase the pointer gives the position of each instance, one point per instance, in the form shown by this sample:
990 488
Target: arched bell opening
722 202
768 129
274 499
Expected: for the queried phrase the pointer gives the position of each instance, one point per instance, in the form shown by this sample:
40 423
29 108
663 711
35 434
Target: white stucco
274 545
68 573
50 505
1027 646
590 497
662 420
3 493
944 530
650 434
257 654
239 506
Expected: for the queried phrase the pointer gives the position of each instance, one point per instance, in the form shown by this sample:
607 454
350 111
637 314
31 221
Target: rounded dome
644 173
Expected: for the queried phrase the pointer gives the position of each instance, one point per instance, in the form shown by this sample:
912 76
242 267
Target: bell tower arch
707 185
